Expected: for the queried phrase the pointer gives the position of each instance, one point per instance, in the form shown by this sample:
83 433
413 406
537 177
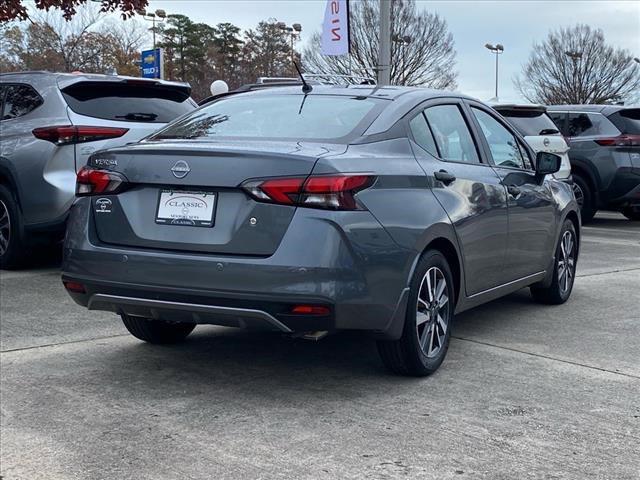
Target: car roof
67 79
604 109
390 92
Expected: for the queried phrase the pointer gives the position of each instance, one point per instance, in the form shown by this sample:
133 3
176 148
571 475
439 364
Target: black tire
14 248
560 289
582 188
157 331
632 213
406 356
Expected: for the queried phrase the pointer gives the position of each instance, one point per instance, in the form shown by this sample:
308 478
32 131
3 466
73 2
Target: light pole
151 17
575 57
294 32
384 44
497 49
403 41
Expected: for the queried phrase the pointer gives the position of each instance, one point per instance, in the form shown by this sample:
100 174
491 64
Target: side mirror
547 163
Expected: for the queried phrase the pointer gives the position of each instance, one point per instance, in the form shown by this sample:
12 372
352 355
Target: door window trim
419 110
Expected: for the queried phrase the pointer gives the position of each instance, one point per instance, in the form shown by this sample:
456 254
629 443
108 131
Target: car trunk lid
180 174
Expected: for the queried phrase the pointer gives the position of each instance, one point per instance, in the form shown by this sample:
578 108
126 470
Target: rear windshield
530 122
627 121
128 103
277 116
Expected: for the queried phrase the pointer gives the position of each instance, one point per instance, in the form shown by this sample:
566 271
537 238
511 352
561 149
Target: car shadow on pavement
215 359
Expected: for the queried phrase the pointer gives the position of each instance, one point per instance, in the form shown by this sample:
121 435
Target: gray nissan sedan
385 210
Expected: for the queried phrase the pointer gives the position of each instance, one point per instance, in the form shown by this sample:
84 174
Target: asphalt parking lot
527 391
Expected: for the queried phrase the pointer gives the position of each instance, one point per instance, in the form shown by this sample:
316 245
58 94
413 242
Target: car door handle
513 190
444 176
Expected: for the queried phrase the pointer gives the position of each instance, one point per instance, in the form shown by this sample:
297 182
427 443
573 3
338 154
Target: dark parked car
50 123
376 209
604 143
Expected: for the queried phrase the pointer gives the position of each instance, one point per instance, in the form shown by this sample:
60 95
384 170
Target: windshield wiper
141 116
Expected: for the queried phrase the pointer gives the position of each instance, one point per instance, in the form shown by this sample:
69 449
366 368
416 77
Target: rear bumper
342 260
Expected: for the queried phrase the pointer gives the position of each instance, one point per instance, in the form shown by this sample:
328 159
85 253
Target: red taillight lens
335 192
310 310
90 181
74 287
620 141
69 134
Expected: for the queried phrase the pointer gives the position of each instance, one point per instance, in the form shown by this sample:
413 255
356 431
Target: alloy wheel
566 262
432 312
5 228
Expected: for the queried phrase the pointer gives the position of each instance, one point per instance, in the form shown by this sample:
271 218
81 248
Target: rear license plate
195 209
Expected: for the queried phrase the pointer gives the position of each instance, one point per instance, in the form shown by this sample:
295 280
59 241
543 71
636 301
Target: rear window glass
128 103
274 116
590 124
627 121
530 123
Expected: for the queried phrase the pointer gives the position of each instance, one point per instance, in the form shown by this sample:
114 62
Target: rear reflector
74 287
310 310
69 134
334 192
620 141
91 181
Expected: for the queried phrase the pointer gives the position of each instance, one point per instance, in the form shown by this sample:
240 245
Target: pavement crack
607 273
547 357
70 342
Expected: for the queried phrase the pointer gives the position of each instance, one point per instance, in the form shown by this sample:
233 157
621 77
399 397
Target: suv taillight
333 192
91 181
69 134
620 141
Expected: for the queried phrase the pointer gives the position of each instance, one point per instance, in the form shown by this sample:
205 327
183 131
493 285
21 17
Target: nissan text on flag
335 29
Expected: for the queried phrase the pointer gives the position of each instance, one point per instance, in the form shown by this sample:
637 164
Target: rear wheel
564 269
428 321
585 198
12 239
157 331
632 213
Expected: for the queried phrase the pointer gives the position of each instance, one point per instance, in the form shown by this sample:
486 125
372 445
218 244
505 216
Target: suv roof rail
322 78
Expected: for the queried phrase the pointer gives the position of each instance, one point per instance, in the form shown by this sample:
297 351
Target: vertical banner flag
335 29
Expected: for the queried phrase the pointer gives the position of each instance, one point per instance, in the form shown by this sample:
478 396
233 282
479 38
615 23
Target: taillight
91 181
310 310
334 192
620 141
69 134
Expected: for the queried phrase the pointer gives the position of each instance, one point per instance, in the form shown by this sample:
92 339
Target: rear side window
531 123
422 134
126 102
20 100
559 118
503 145
275 116
627 121
451 133
590 124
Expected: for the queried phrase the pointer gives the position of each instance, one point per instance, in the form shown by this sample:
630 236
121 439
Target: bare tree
422 50
576 66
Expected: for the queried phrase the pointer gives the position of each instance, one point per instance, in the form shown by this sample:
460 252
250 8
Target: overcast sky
515 24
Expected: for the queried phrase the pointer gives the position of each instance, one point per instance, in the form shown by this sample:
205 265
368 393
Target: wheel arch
7 178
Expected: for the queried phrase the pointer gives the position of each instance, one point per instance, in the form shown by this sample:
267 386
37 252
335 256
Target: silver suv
49 125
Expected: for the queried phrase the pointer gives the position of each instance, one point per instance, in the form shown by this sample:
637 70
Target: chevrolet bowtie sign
335 29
